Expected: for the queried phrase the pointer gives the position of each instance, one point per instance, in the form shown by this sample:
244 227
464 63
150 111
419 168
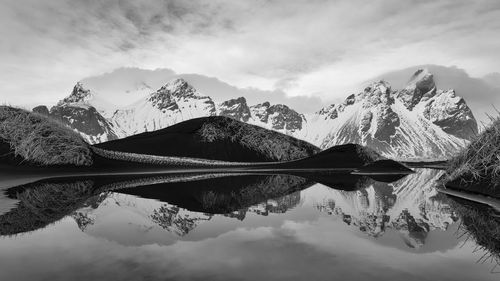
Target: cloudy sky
310 48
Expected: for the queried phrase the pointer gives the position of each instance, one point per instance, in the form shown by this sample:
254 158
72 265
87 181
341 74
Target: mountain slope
174 102
216 137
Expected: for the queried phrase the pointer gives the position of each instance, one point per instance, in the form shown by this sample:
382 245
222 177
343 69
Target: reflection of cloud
315 250
326 46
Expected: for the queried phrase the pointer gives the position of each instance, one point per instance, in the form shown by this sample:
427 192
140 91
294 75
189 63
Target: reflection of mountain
270 206
168 217
411 206
131 220
183 202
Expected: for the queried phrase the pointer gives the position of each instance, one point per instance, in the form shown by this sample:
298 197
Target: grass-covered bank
477 167
31 138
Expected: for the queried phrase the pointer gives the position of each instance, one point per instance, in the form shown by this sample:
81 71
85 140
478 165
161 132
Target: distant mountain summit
174 102
418 121
78 112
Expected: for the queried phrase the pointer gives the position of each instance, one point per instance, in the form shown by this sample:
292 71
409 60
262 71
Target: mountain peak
78 95
279 116
236 109
422 79
178 88
421 87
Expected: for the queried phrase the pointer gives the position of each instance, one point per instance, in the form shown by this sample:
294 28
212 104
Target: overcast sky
318 48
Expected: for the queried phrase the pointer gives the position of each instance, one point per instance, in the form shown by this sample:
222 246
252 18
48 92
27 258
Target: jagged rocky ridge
78 112
419 121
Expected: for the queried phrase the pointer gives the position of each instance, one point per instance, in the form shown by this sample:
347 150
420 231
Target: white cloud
320 48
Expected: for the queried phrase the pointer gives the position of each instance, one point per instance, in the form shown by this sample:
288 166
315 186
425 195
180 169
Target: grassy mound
35 139
477 167
347 156
384 166
216 138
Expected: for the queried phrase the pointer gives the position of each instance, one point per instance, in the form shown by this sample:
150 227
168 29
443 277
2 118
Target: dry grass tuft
273 145
39 140
480 161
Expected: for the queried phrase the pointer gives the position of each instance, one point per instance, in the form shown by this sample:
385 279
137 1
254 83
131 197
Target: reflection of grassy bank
43 204
477 168
481 224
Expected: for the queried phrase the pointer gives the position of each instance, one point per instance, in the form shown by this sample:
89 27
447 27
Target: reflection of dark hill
48 201
344 181
215 137
482 224
45 202
222 195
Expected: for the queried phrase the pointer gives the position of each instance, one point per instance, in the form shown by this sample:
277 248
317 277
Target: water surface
243 227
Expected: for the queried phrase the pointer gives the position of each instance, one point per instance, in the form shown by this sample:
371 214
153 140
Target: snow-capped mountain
419 121
78 112
277 117
174 102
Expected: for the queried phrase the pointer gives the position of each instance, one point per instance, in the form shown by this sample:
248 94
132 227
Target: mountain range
418 121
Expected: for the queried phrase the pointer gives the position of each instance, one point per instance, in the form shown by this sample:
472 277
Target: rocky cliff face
236 109
77 112
416 122
278 117
419 121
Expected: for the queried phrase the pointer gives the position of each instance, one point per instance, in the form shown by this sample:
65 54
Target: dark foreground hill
218 138
353 157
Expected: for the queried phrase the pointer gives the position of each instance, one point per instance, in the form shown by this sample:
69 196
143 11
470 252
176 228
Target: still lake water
245 227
